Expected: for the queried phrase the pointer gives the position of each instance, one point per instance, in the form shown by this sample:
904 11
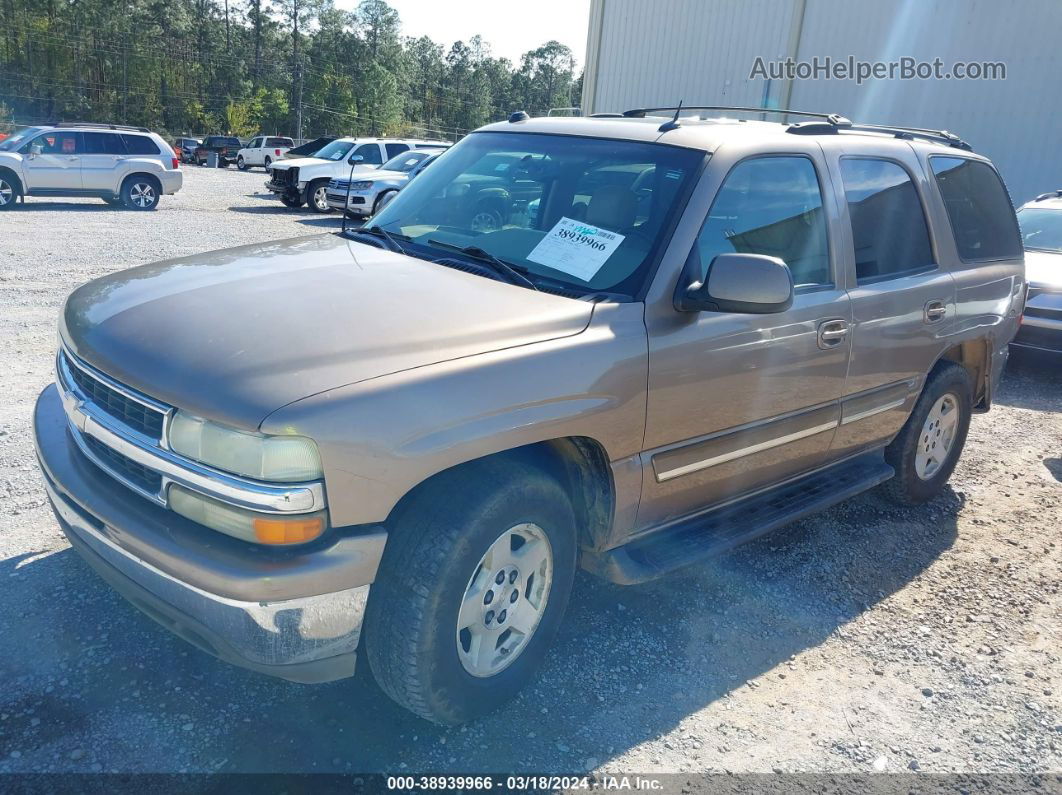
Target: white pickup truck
305 180
262 151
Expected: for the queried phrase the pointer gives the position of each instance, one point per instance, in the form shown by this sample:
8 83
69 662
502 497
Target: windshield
337 150
588 213
18 137
406 161
1041 229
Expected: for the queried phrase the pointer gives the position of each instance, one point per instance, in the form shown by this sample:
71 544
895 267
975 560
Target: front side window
889 227
580 214
56 143
1041 230
370 154
255 144
770 206
17 138
981 215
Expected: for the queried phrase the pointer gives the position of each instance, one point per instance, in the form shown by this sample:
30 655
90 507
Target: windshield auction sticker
575 248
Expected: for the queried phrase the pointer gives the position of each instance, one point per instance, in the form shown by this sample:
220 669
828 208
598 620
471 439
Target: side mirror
36 150
355 159
752 284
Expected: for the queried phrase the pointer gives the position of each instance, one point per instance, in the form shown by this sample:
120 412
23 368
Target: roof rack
97 126
832 126
1054 194
641 113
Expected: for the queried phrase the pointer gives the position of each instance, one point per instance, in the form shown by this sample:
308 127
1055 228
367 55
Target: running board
706 535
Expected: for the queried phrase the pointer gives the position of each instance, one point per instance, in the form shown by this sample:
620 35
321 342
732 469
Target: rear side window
103 143
771 206
981 215
395 149
140 145
889 227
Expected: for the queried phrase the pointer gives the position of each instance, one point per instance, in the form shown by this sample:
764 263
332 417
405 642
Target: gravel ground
869 638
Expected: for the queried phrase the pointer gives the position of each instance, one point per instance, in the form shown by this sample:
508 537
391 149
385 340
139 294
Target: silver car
1041 232
370 193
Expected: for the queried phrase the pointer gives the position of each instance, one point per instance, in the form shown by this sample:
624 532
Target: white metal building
645 53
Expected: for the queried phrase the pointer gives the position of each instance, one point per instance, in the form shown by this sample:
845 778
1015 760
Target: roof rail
1054 194
641 113
831 127
97 126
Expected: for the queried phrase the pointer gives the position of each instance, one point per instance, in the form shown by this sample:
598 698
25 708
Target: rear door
903 301
58 166
736 401
103 161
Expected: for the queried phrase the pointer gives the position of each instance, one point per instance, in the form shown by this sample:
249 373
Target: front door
740 401
58 166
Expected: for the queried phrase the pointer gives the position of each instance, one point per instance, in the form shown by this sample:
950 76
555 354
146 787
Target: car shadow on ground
628 665
89 205
1032 380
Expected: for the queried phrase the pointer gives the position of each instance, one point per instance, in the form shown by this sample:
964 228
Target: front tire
471 590
10 190
141 193
926 450
317 196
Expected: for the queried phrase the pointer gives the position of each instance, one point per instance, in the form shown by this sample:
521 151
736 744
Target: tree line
241 67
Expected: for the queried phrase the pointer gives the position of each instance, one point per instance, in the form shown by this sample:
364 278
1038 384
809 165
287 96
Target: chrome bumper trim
88 420
1041 322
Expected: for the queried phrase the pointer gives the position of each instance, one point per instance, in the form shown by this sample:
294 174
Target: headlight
284 459
360 185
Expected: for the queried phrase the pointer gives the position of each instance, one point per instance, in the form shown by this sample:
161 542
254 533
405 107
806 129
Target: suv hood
298 162
1043 269
234 335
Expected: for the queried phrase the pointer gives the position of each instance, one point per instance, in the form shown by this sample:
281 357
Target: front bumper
294 613
285 188
359 204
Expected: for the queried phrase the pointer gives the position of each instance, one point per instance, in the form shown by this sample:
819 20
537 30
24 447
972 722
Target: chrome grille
136 415
137 474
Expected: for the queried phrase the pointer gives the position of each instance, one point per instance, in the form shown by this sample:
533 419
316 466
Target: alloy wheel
7 193
504 600
938 434
142 194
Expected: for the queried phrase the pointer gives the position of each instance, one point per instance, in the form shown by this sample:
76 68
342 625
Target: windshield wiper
391 238
501 267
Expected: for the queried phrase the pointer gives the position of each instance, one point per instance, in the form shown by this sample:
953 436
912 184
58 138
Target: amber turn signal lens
287 531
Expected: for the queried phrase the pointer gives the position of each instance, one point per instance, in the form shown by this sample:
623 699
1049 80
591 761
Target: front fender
382 437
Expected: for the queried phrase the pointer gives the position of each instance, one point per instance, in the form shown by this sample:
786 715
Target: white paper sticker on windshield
575 248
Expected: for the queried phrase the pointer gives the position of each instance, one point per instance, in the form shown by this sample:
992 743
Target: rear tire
241 164
926 450
141 192
437 590
268 163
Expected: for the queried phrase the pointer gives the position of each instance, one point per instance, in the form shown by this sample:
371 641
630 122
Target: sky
510 28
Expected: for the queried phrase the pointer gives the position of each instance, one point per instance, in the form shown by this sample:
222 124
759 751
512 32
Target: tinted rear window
279 142
140 145
982 217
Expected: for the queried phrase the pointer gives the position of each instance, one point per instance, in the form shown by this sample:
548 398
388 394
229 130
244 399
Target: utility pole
298 100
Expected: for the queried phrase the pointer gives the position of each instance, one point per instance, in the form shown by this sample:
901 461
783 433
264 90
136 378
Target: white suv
305 180
262 151
121 165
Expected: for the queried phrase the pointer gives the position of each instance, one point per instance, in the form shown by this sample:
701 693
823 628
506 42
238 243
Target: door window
56 143
255 144
395 149
103 144
370 153
889 227
981 215
770 206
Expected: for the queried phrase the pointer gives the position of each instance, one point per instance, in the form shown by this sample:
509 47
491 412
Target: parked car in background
1041 231
305 180
406 438
262 151
371 192
185 148
310 148
121 165
227 148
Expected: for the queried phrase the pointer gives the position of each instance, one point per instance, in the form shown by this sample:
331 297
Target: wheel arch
142 174
579 463
10 173
975 355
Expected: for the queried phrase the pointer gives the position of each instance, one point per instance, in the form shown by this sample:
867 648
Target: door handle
934 311
72 157
832 333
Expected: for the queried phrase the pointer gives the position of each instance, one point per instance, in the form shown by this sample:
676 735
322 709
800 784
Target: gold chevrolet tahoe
626 343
